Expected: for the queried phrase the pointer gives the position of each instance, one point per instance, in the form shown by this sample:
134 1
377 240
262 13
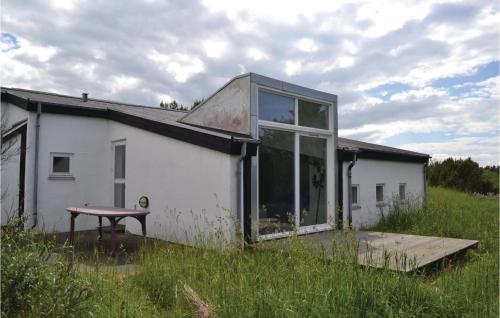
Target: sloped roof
154 119
166 122
373 150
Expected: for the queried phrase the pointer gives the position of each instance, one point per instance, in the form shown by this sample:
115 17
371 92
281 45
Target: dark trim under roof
201 137
346 148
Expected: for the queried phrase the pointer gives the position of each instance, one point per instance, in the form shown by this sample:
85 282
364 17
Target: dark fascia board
348 155
292 88
226 145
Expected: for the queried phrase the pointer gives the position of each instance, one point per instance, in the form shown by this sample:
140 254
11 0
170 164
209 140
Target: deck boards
402 252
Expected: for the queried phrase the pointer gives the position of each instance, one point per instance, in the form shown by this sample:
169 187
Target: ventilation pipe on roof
35 172
349 186
85 97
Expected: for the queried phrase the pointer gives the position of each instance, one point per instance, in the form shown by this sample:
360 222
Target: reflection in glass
313 115
277 108
312 181
276 181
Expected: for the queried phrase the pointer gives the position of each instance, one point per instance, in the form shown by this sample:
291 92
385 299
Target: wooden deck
394 251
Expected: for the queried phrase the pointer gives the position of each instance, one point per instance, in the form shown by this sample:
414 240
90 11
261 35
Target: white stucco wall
86 139
191 189
367 174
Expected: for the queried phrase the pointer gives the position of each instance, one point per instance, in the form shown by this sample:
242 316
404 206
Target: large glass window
312 180
277 108
293 160
276 181
313 115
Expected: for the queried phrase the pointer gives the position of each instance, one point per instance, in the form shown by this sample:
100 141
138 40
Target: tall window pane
276 181
119 191
312 181
313 115
278 108
120 162
379 192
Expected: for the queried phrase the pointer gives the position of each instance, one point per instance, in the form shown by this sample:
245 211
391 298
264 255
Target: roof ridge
89 99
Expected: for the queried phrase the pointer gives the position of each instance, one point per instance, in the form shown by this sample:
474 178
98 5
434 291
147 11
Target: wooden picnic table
114 215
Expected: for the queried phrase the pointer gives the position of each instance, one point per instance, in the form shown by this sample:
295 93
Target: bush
36 282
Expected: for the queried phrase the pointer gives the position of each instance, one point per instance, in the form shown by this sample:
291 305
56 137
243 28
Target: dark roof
374 151
165 122
154 119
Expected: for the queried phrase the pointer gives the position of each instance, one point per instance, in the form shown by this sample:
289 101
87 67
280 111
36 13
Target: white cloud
64 4
292 67
215 48
181 66
306 45
122 82
256 54
482 149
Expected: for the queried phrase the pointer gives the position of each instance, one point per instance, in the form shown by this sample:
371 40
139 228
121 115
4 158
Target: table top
105 211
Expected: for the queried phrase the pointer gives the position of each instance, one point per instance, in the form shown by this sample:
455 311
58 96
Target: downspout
241 188
35 172
349 187
425 182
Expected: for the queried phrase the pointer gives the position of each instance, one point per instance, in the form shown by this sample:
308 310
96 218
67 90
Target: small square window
379 193
354 194
60 166
402 191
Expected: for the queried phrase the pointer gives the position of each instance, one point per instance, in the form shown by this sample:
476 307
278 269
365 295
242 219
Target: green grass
296 283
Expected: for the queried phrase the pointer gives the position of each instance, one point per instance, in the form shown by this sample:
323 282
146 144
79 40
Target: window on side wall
402 191
61 166
355 195
379 193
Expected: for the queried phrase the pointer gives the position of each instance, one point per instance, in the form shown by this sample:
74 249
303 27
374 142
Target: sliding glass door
293 164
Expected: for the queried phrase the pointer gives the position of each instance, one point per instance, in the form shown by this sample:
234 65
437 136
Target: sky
419 75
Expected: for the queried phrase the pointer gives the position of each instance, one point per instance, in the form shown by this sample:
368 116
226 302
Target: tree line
464 175
173 105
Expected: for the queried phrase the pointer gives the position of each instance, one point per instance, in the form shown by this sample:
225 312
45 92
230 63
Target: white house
258 159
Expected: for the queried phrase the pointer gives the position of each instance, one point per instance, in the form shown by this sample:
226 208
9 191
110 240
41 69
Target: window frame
355 204
376 196
327 134
53 175
114 144
399 192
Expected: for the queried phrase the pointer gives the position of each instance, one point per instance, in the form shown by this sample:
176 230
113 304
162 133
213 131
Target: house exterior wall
84 138
228 109
191 189
367 174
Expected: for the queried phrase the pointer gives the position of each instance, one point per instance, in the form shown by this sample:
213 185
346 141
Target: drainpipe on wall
349 187
241 187
35 172
425 182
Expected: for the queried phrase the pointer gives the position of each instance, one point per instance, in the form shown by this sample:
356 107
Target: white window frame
302 131
61 175
357 204
399 192
121 142
383 192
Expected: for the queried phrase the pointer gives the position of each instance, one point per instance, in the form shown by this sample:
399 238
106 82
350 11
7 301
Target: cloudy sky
421 75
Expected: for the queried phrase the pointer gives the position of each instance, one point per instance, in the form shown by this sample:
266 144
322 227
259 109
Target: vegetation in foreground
277 283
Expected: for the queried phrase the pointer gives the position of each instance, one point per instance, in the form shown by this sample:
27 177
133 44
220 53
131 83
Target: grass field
264 283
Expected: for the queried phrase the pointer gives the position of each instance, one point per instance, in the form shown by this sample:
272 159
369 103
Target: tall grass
290 280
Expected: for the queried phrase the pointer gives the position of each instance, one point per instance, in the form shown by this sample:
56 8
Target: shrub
36 282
